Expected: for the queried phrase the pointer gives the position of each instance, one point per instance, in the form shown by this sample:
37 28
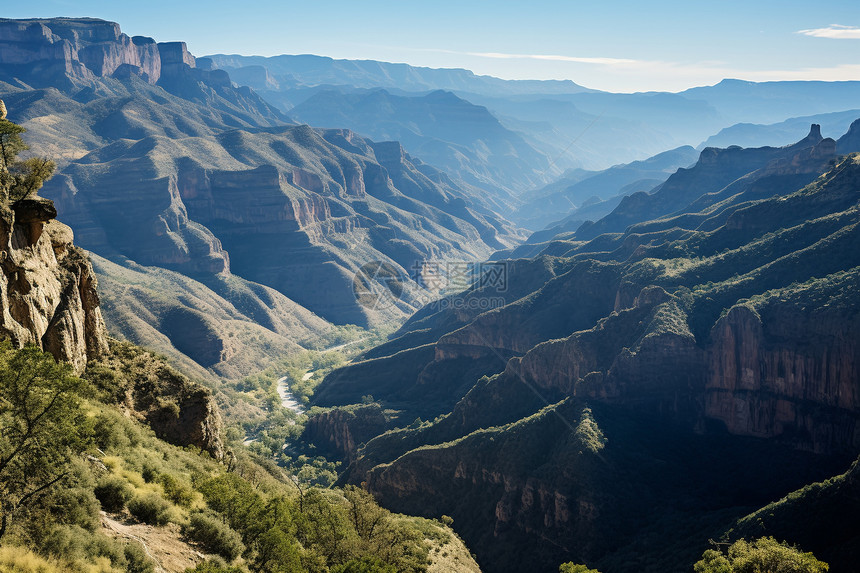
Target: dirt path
163 545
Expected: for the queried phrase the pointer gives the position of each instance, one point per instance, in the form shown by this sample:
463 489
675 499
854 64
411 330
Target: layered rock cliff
339 432
786 367
47 286
73 52
82 48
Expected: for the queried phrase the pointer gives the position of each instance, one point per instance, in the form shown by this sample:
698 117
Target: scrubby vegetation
87 456
275 435
210 530
575 568
765 554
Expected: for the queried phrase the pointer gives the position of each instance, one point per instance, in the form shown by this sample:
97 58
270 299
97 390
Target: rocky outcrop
340 431
82 48
784 373
47 286
189 417
178 410
850 142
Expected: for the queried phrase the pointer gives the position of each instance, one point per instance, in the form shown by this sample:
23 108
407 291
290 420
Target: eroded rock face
342 431
850 142
48 291
196 422
64 52
292 206
81 47
786 373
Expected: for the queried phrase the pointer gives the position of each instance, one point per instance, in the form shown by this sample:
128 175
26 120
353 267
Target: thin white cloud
834 31
627 75
553 58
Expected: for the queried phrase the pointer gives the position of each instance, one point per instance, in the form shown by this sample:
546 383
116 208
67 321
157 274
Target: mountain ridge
418 78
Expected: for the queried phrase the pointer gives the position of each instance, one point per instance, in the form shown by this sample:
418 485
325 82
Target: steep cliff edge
339 432
47 286
74 53
180 411
49 298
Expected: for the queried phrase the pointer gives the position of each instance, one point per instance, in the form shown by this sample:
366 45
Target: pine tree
19 178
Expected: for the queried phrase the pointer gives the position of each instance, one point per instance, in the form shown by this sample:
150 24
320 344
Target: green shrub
365 565
214 566
108 435
571 567
136 560
765 554
149 473
215 535
113 493
109 383
74 543
150 508
176 491
73 505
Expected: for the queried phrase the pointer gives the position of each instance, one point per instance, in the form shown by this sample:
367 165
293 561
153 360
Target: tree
41 427
364 565
571 567
20 178
29 175
325 527
765 555
367 517
11 143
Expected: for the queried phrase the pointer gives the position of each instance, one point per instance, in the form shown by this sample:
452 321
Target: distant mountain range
768 102
782 133
579 189
463 139
572 126
288 71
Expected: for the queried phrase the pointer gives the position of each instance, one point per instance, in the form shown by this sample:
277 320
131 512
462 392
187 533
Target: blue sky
617 46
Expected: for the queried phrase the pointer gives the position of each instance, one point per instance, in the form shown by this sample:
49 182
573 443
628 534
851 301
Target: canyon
726 324
671 357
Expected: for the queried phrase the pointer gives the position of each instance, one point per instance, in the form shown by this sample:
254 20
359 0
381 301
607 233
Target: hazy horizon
664 46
